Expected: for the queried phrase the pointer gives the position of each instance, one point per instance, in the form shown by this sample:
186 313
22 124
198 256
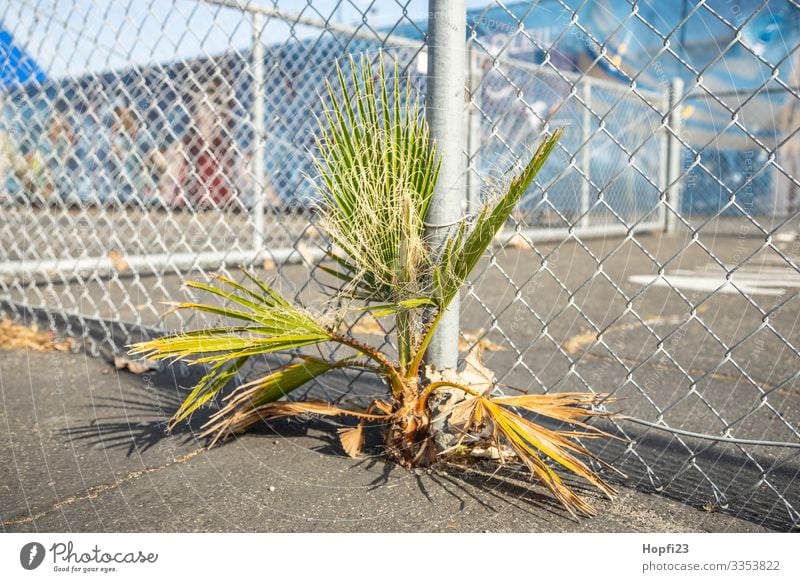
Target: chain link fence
147 143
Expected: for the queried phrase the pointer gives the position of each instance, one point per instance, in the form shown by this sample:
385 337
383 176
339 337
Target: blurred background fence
145 143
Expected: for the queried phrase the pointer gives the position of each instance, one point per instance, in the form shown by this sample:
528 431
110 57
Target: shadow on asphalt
687 472
123 430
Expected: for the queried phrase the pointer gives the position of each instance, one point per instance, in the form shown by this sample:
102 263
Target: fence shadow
688 476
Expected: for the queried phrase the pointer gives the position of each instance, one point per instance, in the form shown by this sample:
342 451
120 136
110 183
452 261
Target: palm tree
378 168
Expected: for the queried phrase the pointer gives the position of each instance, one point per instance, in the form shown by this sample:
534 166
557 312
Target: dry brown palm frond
352 439
475 375
567 407
532 442
241 415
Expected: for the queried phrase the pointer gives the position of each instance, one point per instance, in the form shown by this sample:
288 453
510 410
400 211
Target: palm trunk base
409 438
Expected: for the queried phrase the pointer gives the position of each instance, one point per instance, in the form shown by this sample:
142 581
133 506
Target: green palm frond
381 310
241 408
209 385
378 169
274 325
463 251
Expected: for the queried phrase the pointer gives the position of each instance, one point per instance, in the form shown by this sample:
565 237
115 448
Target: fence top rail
410 43
298 18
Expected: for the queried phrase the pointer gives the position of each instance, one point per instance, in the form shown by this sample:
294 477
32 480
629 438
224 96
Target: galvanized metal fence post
673 184
447 21
473 133
259 133
586 157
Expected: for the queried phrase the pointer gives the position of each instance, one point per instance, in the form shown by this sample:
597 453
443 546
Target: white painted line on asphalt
701 284
714 283
750 279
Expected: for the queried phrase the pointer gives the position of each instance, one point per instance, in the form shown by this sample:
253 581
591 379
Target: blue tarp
17 68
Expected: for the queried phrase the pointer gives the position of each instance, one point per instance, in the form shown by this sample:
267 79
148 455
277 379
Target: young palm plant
377 171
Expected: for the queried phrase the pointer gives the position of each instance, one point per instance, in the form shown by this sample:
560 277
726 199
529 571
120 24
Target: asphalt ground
83 448
698 356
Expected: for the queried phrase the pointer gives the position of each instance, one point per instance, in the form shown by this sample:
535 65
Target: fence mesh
147 143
